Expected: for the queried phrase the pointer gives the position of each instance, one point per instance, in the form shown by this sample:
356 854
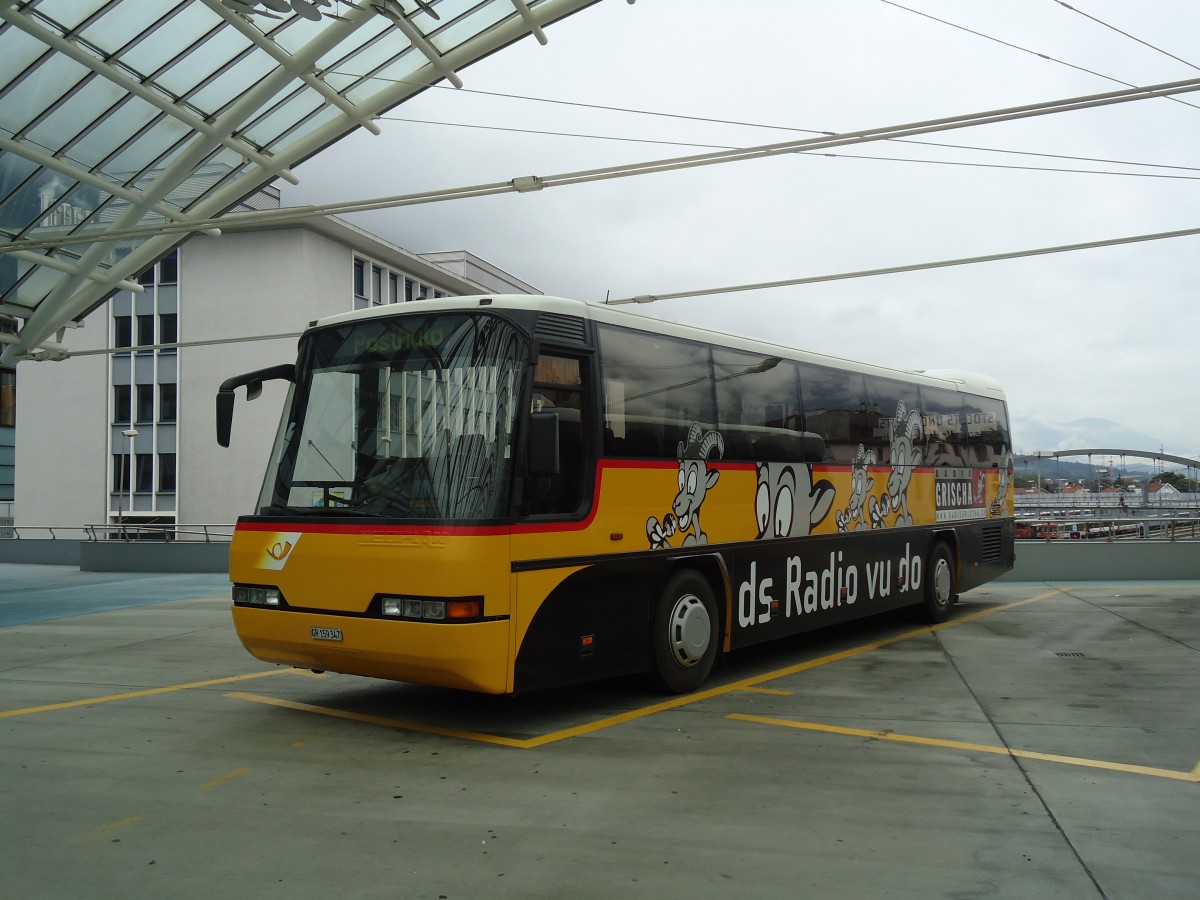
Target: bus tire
940 583
685 633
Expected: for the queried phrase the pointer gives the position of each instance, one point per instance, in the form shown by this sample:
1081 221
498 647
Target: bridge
1104 451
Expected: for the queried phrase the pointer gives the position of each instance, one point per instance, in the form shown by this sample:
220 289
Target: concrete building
127 437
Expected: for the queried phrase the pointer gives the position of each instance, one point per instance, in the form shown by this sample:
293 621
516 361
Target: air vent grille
993 543
560 329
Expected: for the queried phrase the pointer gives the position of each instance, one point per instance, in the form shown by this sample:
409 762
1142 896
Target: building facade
122 433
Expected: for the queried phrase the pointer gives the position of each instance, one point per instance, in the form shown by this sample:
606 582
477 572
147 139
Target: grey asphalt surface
1043 743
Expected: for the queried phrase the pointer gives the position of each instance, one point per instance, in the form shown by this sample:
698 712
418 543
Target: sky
1112 333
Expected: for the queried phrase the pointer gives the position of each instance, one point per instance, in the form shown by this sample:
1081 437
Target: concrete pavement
1043 743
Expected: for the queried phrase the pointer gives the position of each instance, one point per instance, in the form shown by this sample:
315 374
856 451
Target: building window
145 330
146 279
145 403
166 402
408 290
8 398
123 331
122 404
166 473
168 328
393 288
376 285
360 278
168 268
120 473
144 473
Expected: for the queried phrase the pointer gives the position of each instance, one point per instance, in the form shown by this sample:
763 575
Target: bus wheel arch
941 578
685 630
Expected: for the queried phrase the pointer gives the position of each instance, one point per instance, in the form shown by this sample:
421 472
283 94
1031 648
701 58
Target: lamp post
129 433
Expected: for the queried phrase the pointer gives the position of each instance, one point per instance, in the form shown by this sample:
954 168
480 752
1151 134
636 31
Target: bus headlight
401 607
254 595
431 610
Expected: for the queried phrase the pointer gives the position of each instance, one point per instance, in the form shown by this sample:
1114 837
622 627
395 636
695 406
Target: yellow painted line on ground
109 829
226 778
131 695
774 692
746 684
973 748
380 720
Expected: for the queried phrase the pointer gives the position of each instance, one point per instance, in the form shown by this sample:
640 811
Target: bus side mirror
541 449
253 382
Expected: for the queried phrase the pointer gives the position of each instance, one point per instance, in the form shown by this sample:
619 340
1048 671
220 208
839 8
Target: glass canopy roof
115 115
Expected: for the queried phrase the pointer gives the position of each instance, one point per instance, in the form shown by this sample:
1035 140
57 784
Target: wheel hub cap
691 628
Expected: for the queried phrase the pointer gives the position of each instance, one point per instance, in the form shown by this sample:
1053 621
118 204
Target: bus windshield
407 417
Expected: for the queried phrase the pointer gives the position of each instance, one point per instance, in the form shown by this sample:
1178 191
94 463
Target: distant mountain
1031 435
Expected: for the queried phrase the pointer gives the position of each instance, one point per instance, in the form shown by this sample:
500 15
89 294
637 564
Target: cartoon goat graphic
696 479
787 502
861 483
1000 504
905 457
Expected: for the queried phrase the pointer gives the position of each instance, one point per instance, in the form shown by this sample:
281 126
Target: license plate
327 634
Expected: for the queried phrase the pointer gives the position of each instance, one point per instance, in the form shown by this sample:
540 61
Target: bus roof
954 379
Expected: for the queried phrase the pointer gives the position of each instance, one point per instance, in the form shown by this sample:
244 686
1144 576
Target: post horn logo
279 548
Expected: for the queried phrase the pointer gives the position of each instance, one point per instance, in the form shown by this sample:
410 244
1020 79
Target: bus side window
987 431
655 387
835 407
558 386
942 411
887 399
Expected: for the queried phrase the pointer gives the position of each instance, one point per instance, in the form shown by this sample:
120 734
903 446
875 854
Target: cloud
1105 333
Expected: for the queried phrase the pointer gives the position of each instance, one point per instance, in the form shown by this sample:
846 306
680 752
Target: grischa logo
278 549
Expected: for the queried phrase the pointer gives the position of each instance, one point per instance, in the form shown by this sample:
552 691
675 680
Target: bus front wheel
941 583
685 633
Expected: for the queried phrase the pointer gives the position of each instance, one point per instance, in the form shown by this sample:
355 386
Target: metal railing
1133 504
128 531
1107 528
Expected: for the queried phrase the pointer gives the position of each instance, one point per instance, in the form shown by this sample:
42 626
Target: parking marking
380 720
108 829
753 683
226 778
131 695
1192 776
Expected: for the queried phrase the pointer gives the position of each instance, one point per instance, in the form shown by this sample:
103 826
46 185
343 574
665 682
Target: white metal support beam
288 63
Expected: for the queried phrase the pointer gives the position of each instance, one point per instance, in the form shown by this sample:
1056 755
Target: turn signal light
464 609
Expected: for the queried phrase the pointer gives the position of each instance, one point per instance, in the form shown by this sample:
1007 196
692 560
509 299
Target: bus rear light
464 609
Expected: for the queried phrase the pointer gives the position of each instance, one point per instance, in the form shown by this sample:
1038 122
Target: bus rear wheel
685 633
941 583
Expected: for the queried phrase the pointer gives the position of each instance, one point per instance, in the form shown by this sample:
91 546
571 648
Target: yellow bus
505 493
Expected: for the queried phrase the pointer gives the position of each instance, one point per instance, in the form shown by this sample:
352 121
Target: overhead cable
708 120
912 267
997 40
1128 35
727 289
899 159
528 183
